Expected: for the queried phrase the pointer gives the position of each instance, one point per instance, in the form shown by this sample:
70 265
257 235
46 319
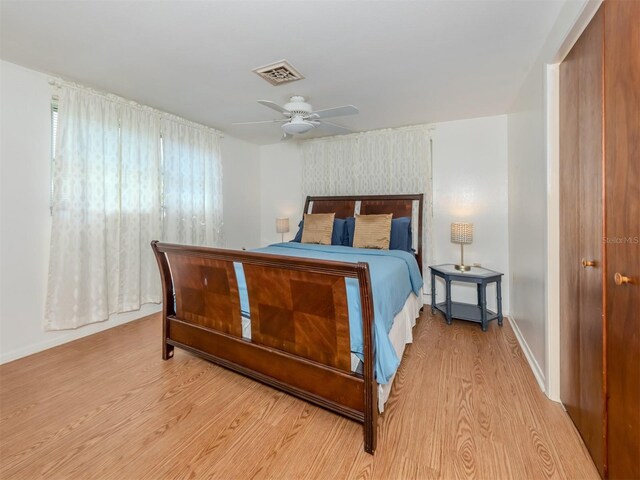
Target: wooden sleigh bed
300 337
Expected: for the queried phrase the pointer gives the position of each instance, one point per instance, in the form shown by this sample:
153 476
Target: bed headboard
400 205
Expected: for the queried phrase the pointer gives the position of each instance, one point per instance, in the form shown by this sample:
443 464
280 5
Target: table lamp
462 233
282 226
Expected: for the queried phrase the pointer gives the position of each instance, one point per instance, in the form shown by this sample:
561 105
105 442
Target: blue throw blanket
394 275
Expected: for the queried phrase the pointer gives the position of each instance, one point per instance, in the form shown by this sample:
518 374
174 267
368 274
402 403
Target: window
131 175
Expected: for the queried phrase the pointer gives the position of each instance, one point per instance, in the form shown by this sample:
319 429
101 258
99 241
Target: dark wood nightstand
467 311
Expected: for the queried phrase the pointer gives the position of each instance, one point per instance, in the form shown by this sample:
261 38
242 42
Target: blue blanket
394 275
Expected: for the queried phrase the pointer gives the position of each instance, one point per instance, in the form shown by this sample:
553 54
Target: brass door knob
621 279
588 263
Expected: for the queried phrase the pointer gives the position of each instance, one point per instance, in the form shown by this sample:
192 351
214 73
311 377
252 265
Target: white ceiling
399 62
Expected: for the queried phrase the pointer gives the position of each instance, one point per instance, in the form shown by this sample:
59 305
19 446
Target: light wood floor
464 404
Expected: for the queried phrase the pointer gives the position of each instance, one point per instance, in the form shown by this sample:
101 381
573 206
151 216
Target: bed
301 318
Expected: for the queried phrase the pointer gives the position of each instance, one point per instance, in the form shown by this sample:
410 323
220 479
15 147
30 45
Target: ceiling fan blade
261 121
274 106
333 128
335 112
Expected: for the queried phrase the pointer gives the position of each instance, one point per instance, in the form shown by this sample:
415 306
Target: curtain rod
58 83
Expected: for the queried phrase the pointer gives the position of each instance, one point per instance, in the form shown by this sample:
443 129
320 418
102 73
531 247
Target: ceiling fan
300 117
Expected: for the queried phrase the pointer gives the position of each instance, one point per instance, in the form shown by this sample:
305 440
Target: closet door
590 266
570 237
622 187
581 223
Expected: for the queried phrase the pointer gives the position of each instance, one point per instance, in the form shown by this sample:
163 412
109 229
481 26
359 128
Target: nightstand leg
433 293
448 283
483 306
499 289
479 294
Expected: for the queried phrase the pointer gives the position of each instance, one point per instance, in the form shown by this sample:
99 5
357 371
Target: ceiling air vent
279 73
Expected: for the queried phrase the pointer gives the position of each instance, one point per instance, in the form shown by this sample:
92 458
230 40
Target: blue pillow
401 238
350 230
337 236
400 234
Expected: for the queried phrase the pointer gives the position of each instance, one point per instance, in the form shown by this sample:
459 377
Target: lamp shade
462 232
282 224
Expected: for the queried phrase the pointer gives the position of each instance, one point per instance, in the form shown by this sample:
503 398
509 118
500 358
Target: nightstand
467 311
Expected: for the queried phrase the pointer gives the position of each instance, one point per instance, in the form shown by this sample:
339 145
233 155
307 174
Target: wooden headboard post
345 206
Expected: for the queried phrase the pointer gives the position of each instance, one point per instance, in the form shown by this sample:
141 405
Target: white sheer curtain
192 185
135 279
107 203
391 161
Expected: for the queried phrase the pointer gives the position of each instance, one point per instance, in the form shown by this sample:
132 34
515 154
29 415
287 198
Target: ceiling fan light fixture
297 125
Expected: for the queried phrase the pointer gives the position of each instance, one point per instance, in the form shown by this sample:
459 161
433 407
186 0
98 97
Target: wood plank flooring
464 405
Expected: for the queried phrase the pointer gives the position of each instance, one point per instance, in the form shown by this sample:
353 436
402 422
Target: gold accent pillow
373 231
317 228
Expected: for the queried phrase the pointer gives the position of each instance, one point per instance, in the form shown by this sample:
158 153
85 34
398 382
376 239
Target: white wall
470 183
528 220
25 221
533 202
241 193
280 189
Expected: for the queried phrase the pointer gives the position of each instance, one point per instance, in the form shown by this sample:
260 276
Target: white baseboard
61 337
535 368
426 298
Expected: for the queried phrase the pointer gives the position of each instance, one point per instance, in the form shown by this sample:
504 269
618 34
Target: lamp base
463 268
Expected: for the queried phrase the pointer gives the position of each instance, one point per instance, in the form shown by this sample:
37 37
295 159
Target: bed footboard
300 338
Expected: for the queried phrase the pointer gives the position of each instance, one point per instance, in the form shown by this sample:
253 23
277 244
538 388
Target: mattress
400 335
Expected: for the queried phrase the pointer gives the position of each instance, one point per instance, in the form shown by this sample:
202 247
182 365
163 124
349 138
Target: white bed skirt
401 334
